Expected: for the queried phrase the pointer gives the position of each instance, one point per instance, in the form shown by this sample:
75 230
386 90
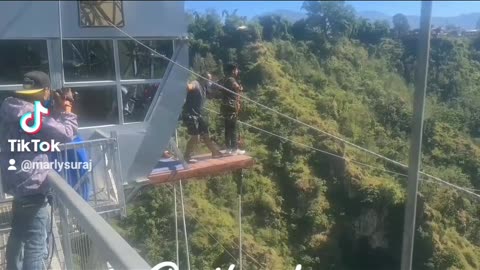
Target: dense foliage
354 79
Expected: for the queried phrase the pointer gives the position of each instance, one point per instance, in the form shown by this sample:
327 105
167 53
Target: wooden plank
206 166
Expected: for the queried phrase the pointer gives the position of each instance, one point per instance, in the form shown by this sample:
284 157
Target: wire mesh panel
78 250
97 177
99 184
88 241
5 217
3 196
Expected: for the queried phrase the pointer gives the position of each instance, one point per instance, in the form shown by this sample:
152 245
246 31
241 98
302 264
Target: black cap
34 82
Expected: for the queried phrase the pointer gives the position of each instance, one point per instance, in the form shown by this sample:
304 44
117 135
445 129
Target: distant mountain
466 21
290 15
375 16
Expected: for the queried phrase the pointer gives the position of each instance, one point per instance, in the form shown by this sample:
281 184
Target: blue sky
253 8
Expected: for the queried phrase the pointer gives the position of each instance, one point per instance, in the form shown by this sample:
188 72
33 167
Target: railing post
67 244
118 176
2 194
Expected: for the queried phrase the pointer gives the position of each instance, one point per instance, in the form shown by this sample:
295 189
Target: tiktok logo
36 117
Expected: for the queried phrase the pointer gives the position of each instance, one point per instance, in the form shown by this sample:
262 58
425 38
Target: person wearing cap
194 118
27 245
230 107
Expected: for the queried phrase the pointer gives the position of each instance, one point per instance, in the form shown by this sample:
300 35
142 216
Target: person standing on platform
231 107
195 119
27 243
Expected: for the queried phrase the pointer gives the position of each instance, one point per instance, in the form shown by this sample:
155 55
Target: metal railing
102 186
5 218
88 241
83 239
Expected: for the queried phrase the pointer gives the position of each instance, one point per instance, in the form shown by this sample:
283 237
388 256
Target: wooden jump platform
206 166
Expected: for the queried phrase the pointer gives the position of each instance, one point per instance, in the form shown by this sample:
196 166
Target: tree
226 13
235 38
302 206
207 27
205 64
371 33
331 19
299 30
400 25
274 27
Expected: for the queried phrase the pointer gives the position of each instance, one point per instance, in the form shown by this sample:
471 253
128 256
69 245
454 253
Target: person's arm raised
64 128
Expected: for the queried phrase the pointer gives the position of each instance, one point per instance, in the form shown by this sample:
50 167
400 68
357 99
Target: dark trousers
27 243
197 128
193 142
231 131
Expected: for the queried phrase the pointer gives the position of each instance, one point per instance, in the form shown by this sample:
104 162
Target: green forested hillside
353 79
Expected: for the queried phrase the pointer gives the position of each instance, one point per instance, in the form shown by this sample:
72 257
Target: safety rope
313 148
439 181
296 120
175 209
184 225
240 221
466 190
211 235
176 223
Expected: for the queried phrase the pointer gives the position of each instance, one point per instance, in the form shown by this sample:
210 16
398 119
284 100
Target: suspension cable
176 223
313 148
184 225
466 190
260 104
440 181
310 147
183 216
216 240
175 209
294 119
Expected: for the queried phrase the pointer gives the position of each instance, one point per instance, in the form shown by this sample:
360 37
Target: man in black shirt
231 107
194 119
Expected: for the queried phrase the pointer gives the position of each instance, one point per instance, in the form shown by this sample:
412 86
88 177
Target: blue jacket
74 175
